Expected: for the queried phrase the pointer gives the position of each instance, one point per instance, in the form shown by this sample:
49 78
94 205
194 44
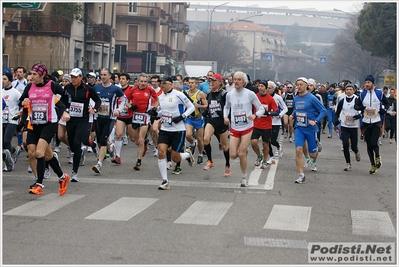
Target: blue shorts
197 124
310 137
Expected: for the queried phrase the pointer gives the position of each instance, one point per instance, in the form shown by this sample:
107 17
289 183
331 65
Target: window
133 7
132 36
100 13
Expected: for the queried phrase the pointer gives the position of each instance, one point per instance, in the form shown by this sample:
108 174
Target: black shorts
135 126
172 139
266 134
127 121
289 112
219 128
43 131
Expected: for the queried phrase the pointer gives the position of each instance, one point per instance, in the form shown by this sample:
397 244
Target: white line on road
123 209
204 213
289 218
43 206
366 222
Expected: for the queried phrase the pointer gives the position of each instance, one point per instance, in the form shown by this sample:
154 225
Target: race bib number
370 113
301 119
166 119
76 109
39 114
330 104
240 118
289 103
349 120
104 109
213 108
140 118
5 115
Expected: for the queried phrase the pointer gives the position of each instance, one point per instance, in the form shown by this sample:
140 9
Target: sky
347 6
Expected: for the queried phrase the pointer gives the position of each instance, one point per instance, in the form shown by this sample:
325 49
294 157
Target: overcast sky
347 6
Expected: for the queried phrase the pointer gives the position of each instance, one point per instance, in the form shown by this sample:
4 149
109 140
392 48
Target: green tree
377 30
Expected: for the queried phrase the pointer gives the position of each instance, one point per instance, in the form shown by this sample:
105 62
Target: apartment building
131 37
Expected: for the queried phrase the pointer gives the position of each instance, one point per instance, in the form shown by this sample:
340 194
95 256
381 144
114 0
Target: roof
245 25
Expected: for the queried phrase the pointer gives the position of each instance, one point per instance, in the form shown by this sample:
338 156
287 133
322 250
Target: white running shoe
300 180
307 161
313 166
155 152
271 161
280 151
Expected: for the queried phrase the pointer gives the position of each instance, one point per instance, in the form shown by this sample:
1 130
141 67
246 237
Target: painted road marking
123 209
43 206
366 222
204 213
289 218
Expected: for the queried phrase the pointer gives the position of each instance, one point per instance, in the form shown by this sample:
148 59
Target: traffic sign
323 60
26 5
269 57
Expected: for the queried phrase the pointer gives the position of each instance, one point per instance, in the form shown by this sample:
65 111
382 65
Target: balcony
39 25
126 10
98 33
180 27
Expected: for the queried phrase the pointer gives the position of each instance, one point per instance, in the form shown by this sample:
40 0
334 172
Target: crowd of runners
99 113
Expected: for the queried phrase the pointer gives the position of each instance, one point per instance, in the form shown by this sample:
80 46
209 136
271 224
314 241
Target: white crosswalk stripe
290 218
123 209
366 222
205 213
44 205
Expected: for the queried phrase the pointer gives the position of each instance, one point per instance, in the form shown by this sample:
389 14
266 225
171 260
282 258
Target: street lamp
210 28
347 13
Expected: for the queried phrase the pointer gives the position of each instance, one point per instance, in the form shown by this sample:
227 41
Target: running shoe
164 186
329 135
379 141
177 170
63 184
57 149
89 149
307 161
209 165
96 168
82 156
300 180
125 140
191 148
357 156
16 154
373 169
291 140
137 166
9 163
33 185
390 141
281 151
145 146
348 168
155 152
244 182
71 158
227 172
313 166
47 173
117 160
319 146
69 152
378 162
30 169
95 149
36 190
169 165
264 165
74 177
151 143
190 159
258 160
362 137
271 161
112 150
200 160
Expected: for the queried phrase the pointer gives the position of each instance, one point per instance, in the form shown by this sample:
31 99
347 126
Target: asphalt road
120 217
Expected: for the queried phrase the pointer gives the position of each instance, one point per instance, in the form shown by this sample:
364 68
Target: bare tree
226 48
349 60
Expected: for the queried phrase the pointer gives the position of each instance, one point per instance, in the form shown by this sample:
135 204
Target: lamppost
210 28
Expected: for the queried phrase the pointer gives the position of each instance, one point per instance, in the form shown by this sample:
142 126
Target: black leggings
77 134
273 139
371 135
390 124
346 134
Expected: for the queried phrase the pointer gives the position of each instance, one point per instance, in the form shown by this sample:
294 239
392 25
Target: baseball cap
289 85
166 79
60 72
91 74
217 76
76 72
302 79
